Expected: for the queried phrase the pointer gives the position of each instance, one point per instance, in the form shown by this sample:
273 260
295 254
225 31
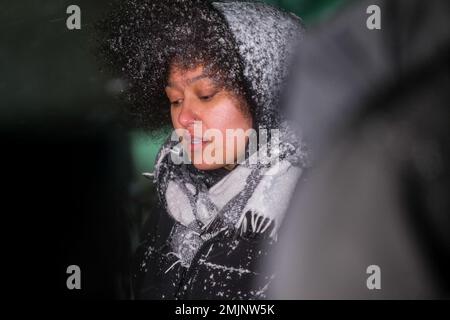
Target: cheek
229 116
226 115
174 114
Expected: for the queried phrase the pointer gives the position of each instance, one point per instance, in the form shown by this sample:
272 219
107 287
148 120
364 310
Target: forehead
182 76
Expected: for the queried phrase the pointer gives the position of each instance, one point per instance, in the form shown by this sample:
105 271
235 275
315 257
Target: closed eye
175 103
207 97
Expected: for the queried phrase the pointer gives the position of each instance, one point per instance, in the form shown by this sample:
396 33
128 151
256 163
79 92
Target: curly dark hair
139 40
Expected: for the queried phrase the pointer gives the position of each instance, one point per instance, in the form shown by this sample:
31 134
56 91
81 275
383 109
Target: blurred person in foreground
374 107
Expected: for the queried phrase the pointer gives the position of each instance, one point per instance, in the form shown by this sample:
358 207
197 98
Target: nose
188 115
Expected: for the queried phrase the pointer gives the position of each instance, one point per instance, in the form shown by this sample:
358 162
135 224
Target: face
205 112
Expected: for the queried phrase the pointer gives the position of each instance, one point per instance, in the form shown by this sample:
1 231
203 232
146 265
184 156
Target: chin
205 166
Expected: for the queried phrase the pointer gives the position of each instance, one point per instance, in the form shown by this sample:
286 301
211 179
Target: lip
196 143
197 146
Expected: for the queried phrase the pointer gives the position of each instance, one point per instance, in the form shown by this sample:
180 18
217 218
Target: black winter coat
225 267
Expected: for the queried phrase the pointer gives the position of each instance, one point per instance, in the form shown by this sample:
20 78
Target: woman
209 67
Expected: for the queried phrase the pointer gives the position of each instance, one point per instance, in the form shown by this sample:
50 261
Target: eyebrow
190 81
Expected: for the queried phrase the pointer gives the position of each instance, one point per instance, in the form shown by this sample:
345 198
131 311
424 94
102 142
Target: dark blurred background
73 190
